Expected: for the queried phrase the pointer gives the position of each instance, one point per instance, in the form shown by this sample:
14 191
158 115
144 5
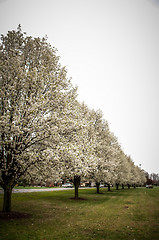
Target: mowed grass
129 214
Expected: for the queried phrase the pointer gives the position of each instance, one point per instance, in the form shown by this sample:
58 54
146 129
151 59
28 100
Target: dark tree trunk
117 186
128 186
108 187
97 185
134 186
7 199
122 186
76 184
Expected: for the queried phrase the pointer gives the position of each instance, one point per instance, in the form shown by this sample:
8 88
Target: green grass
118 215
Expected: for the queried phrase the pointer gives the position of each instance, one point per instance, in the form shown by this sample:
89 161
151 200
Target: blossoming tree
105 151
78 157
34 95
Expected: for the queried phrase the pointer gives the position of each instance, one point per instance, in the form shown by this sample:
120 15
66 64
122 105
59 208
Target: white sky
111 51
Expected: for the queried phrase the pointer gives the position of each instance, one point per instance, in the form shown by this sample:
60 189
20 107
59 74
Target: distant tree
106 150
78 157
140 176
98 131
121 171
34 97
155 178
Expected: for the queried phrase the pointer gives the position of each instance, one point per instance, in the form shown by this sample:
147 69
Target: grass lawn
130 214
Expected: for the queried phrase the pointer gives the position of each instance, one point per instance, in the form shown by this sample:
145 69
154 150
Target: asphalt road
36 190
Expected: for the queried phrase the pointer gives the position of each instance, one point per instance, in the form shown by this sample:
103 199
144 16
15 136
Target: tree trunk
97 185
108 187
122 186
117 186
7 199
76 184
128 186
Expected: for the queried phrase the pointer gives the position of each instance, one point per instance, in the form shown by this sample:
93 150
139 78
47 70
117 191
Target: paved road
36 190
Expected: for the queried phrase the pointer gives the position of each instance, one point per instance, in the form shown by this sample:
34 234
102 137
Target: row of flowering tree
44 131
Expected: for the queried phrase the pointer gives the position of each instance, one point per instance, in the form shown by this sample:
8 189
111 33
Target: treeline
45 132
152 178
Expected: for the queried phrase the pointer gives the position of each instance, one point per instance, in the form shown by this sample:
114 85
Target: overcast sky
111 51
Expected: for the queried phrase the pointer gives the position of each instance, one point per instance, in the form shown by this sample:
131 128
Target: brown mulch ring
13 215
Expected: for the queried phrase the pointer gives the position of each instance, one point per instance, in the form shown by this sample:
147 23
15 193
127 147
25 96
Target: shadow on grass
14 215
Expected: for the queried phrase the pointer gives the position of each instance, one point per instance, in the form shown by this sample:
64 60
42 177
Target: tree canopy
45 131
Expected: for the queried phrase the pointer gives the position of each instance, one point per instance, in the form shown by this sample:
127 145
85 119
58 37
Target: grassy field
118 215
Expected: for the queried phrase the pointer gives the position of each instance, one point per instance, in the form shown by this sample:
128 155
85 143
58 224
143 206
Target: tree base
78 199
